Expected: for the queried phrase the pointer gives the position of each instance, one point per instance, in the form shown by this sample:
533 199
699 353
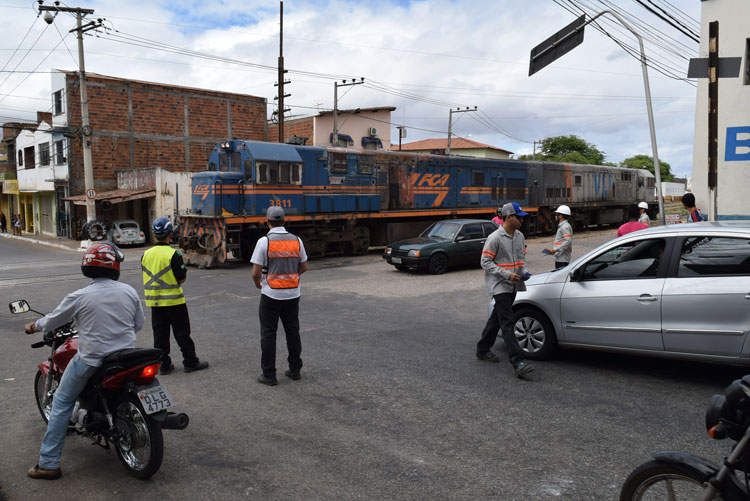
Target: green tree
647 162
571 149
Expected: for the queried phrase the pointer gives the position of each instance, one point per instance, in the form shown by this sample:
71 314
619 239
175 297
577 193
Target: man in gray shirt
107 313
504 264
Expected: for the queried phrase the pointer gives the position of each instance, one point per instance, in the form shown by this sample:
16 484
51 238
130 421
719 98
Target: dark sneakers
522 368
488 356
198 367
270 381
293 375
40 473
166 369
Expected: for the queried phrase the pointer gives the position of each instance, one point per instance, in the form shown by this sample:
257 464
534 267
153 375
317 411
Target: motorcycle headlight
413 253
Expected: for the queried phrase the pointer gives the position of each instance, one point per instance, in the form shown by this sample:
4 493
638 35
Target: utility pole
451 111
401 134
713 119
336 85
282 71
80 29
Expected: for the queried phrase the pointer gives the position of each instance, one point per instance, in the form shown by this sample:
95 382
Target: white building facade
733 183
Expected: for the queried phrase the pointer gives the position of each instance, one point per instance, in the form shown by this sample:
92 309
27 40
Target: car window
472 231
701 256
128 225
489 228
639 259
442 231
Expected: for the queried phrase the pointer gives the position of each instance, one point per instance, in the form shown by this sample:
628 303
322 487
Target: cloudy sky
423 57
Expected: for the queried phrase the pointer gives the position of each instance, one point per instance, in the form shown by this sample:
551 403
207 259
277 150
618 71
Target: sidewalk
64 243
60 243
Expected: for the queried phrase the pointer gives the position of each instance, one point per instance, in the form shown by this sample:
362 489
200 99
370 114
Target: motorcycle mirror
20 306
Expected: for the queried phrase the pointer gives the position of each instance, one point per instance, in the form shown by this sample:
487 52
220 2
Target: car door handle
647 297
747 296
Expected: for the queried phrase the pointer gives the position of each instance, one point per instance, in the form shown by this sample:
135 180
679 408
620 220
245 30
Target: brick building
141 125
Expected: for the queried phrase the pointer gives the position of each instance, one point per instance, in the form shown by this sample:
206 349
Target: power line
679 27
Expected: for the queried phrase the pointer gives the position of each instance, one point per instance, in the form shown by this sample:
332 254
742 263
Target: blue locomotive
345 201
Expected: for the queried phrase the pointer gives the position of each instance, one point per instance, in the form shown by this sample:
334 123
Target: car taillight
143 374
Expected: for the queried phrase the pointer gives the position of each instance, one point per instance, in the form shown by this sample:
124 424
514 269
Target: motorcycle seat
128 355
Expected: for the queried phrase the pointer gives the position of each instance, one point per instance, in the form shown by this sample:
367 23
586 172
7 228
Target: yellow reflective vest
161 286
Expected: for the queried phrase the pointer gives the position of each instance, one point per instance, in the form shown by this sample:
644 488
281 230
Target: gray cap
275 213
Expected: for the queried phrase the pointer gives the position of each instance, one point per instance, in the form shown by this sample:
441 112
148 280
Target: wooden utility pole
282 71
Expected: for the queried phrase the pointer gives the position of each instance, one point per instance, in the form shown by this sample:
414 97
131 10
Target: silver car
126 232
679 291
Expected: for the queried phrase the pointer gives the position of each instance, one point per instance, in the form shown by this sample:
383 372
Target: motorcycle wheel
140 446
44 409
655 480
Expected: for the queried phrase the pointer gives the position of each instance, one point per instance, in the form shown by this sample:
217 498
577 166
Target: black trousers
502 318
176 317
270 311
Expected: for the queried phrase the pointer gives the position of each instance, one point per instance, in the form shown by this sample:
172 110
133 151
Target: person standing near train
498 220
643 207
563 245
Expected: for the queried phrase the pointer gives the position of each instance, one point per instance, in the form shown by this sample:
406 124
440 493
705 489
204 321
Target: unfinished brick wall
302 127
143 124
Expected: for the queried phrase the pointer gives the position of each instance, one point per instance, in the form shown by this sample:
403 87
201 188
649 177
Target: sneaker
293 375
198 367
270 381
166 369
522 368
488 356
41 473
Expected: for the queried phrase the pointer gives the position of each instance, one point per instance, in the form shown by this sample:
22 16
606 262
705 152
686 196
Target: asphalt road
392 404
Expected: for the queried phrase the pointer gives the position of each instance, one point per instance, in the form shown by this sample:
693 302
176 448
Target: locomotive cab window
577 180
278 173
223 162
479 179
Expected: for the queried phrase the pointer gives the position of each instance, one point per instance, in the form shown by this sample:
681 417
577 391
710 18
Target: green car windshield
442 231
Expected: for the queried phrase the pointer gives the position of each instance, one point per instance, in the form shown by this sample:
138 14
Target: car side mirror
576 275
20 306
461 238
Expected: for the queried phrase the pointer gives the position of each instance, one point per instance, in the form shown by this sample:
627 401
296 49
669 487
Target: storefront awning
114 196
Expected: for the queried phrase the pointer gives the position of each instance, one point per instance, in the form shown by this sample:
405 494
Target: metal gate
46 216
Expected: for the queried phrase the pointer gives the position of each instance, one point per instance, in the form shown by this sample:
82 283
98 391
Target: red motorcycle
123 406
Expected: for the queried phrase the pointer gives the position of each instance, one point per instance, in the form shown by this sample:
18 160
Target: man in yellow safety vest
163 272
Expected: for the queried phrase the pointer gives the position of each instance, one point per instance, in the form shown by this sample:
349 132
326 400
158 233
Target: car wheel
401 267
534 333
438 264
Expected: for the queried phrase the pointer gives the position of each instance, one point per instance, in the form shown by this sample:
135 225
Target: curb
40 242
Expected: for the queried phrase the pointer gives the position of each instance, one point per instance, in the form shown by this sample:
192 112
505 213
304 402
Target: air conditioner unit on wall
373 131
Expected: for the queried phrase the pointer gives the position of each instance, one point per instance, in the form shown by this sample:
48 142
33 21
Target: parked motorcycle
123 403
678 475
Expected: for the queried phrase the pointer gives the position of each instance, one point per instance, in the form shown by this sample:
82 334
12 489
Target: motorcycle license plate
155 399
396 260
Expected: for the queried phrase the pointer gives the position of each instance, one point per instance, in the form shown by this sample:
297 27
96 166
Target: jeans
501 318
270 311
176 317
72 384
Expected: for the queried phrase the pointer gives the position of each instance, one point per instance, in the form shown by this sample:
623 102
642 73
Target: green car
453 242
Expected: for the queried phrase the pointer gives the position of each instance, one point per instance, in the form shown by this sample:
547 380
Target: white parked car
126 232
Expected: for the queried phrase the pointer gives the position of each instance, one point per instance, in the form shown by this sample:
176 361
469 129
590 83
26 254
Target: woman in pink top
497 219
632 224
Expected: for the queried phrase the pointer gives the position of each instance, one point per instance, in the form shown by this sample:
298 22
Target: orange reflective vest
282 261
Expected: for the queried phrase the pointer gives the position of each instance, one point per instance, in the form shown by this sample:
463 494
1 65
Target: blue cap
513 208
